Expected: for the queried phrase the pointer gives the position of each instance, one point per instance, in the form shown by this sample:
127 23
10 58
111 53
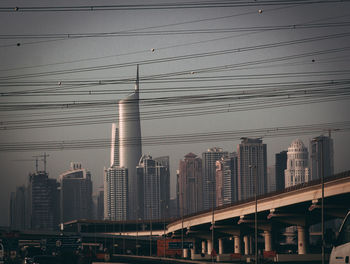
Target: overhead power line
192 138
173 32
185 57
166 6
203 104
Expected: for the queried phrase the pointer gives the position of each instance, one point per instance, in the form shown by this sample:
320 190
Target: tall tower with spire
130 142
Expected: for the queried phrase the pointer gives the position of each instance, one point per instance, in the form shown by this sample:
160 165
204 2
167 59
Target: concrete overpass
296 206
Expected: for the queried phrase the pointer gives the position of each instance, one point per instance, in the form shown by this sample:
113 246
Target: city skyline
234 77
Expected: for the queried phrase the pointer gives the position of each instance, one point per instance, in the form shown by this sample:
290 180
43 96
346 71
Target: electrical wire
164 6
192 138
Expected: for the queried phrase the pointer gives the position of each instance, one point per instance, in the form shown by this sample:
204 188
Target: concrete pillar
246 245
237 244
204 248
193 251
221 246
185 252
268 240
210 246
302 242
250 245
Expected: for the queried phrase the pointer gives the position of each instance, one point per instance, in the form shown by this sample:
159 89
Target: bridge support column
193 249
268 240
204 249
221 246
185 253
302 240
250 245
210 246
237 244
246 245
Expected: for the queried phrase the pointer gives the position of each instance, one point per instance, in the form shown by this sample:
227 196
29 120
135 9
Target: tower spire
137 79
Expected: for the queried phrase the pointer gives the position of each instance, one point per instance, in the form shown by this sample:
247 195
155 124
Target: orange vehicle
172 247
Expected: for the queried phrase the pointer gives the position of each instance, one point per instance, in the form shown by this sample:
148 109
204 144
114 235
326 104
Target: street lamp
256 210
211 189
164 207
182 222
321 140
150 237
137 235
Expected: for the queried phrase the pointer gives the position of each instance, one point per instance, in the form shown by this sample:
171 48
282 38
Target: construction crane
43 156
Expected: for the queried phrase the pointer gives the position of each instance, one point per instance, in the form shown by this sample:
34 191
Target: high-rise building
116 193
321 151
18 205
153 189
130 142
115 146
297 164
226 179
43 201
100 205
173 208
271 179
76 193
190 185
209 159
165 162
251 163
280 166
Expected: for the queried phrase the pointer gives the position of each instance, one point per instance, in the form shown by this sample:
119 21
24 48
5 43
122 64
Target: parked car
341 249
42 259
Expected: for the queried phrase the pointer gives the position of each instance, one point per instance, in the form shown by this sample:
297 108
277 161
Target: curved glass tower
130 141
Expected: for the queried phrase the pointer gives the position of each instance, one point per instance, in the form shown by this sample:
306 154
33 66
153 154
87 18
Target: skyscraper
115 145
271 179
297 164
153 189
130 142
280 166
321 150
226 179
251 163
76 193
43 201
190 185
116 204
100 205
165 162
209 159
18 205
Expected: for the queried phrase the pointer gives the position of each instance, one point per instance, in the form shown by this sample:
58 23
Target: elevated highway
298 206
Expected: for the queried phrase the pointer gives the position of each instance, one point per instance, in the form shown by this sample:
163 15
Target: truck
341 247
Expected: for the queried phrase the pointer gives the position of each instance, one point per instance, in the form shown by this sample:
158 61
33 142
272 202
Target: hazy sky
254 65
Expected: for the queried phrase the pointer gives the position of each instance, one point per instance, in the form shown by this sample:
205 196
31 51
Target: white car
2 253
341 249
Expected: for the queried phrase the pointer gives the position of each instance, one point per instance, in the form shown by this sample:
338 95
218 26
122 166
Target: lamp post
182 222
211 194
150 237
164 207
256 210
137 236
319 142
322 201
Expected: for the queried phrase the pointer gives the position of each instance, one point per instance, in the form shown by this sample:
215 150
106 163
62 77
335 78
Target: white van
2 253
341 249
